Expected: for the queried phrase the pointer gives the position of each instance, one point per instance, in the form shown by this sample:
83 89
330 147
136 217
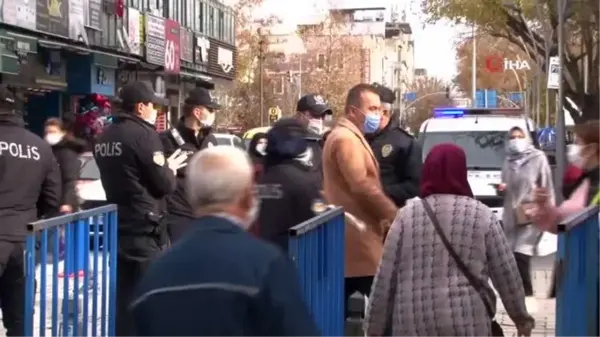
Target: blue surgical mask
372 122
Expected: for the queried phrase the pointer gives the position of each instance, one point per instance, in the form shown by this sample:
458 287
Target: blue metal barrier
317 247
577 275
82 299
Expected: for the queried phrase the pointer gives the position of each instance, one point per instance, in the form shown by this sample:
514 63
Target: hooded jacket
67 153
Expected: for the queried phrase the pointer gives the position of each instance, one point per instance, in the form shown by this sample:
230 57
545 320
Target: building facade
56 52
345 47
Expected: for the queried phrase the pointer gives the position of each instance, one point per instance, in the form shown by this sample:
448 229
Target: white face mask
262 148
53 138
316 125
153 116
209 119
518 145
573 152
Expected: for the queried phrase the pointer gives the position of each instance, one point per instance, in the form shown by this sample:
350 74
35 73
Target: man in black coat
398 154
192 134
289 187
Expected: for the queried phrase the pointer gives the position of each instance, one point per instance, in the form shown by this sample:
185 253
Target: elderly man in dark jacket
219 280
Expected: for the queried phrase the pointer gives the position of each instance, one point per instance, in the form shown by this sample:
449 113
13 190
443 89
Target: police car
89 187
482 134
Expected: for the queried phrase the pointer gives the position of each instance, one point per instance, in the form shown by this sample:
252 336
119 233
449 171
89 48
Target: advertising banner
77 18
20 13
134 33
221 59
53 17
155 40
186 45
172 47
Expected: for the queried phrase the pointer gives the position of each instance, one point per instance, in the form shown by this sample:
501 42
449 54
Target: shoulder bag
473 281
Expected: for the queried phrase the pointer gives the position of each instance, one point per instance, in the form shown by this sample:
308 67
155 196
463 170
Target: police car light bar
459 112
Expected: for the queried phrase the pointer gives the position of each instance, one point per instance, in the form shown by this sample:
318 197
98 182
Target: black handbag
475 283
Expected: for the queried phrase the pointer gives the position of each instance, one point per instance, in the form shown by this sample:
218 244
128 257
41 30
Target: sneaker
531 304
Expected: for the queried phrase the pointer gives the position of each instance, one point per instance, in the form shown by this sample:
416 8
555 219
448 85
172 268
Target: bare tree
430 95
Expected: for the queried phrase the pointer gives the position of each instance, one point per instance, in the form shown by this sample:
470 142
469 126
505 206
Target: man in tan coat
351 180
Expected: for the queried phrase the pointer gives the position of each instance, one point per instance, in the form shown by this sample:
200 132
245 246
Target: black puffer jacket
67 153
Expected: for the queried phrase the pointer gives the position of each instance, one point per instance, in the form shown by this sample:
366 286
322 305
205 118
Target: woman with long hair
525 168
66 149
438 257
257 149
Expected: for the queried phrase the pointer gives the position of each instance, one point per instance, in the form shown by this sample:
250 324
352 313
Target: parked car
228 139
89 187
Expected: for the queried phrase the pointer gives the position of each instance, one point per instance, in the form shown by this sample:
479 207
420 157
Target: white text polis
20 151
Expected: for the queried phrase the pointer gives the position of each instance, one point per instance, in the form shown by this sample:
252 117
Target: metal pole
474 69
560 115
262 86
300 78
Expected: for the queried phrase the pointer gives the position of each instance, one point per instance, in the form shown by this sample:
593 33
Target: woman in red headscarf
418 270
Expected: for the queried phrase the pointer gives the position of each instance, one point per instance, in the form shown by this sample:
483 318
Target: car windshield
223 140
484 149
89 169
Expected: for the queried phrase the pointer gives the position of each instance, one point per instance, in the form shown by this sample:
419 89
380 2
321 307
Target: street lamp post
560 115
261 58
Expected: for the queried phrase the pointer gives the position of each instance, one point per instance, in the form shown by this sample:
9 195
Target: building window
232 33
221 26
135 4
321 61
278 86
198 16
189 14
211 21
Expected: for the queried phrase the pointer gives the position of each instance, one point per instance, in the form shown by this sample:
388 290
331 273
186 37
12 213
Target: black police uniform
181 137
136 177
318 108
289 188
31 187
399 157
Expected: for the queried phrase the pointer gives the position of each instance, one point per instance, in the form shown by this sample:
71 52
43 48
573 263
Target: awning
195 76
84 50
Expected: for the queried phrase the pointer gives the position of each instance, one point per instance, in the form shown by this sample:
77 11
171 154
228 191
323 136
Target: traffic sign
553 73
274 114
410 96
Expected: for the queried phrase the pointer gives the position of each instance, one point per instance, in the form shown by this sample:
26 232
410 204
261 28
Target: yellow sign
274 114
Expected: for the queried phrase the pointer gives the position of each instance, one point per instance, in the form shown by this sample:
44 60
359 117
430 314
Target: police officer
311 111
289 188
192 134
31 186
137 177
397 152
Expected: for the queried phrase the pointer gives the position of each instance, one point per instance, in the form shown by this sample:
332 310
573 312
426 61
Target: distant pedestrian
525 168
219 280
66 149
420 288
351 180
257 149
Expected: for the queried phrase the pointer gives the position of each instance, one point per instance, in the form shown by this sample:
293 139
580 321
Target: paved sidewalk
545 320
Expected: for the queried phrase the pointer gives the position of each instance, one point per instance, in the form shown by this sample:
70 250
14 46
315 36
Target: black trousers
12 287
524 266
178 226
361 285
136 253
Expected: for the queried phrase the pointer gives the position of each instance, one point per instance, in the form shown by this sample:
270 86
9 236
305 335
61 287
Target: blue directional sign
410 96
486 99
516 97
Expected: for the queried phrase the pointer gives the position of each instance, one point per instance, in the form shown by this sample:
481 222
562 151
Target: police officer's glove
177 160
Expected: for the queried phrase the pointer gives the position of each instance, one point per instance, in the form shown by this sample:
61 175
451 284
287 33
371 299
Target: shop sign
172 47
201 49
155 40
77 18
222 59
20 13
53 17
186 45
134 32
14 51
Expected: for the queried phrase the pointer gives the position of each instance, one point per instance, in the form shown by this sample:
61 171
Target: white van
482 134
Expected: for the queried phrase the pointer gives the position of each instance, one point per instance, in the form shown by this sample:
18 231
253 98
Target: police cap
202 96
385 94
9 100
140 92
315 105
